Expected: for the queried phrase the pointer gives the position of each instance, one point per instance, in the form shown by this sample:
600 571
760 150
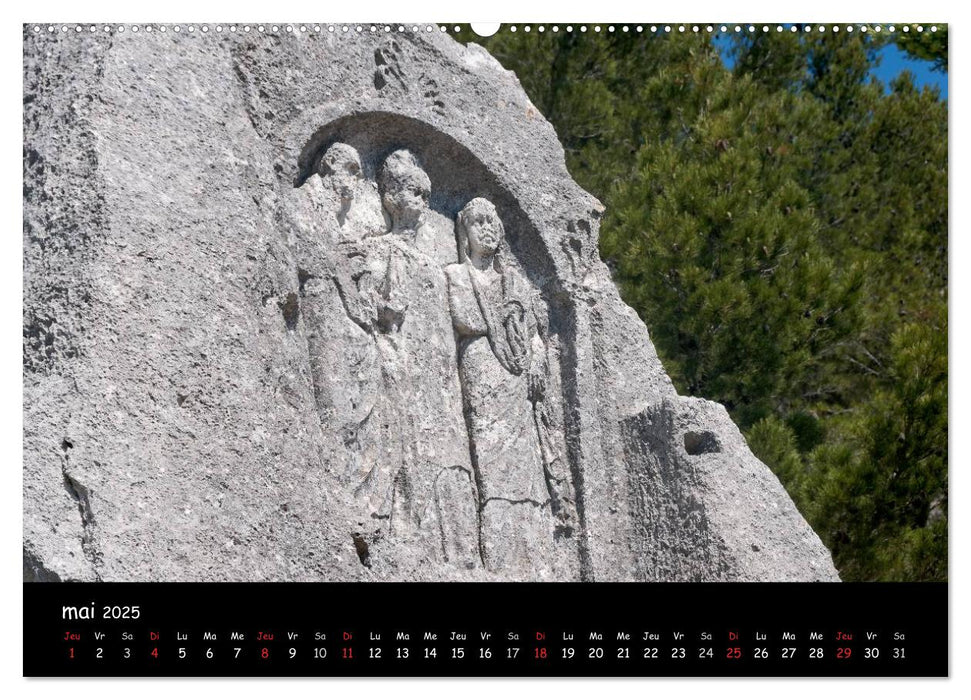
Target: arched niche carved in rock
457 175
405 298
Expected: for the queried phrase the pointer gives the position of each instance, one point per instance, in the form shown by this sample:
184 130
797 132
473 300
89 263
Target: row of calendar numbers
508 653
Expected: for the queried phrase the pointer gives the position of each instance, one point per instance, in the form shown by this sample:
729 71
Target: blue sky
893 62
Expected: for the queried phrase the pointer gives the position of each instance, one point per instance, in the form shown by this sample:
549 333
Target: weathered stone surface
704 508
329 307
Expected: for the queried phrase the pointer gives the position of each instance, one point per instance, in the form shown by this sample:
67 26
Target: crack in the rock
573 429
362 549
290 309
80 495
516 502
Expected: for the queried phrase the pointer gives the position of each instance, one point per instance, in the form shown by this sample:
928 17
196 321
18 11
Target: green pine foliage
781 227
926 45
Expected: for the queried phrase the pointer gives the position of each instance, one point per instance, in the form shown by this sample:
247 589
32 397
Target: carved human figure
405 192
334 206
503 368
340 166
340 209
409 461
358 211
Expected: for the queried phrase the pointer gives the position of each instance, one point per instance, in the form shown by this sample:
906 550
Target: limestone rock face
329 307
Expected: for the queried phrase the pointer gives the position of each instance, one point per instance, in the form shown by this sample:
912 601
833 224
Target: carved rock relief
431 358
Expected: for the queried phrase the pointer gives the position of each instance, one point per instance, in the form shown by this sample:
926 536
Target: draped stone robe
409 460
515 523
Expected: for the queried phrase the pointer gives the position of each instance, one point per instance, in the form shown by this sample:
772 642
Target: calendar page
538 349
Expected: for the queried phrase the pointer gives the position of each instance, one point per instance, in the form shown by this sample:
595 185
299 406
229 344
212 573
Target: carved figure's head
341 166
480 227
405 189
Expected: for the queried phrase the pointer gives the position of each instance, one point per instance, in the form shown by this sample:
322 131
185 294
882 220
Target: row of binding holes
246 28
712 28
387 28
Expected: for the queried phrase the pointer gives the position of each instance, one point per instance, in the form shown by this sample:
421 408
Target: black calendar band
485 629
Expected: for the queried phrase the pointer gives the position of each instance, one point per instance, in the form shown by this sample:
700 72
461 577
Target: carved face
484 232
341 167
405 189
406 202
482 226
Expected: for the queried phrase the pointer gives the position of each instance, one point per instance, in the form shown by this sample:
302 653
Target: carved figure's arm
460 299
391 297
354 286
538 370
